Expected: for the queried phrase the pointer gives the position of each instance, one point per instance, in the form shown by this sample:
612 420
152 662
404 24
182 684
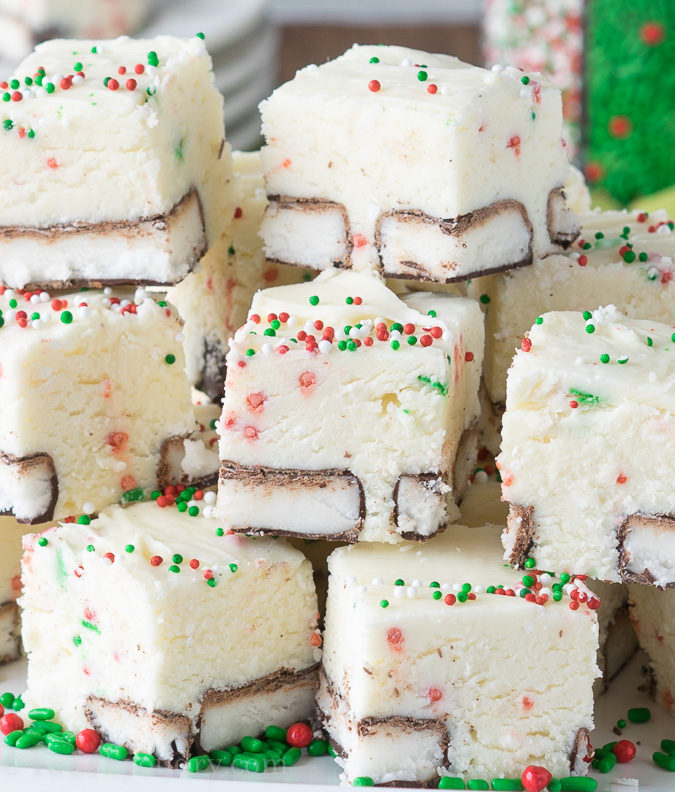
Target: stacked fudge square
121 187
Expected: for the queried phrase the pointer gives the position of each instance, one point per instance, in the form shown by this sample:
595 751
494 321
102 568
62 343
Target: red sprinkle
139 68
88 741
574 605
526 344
450 599
426 340
10 722
250 433
624 751
582 260
110 557
436 332
157 560
622 478
394 636
194 563
468 357
131 84
409 328
574 404
374 86
113 85
535 778
431 88
435 694
299 735
122 70
255 318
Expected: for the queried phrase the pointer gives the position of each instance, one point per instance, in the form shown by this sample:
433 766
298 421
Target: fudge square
653 615
157 630
418 164
115 154
349 414
588 447
624 258
96 405
214 300
423 671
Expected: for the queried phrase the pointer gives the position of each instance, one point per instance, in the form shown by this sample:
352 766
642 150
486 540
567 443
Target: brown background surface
303 44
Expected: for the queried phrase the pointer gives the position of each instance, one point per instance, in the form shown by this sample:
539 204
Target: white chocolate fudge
590 408
96 404
11 533
616 639
623 258
24 23
116 157
416 164
349 414
426 669
214 300
157 630
653 616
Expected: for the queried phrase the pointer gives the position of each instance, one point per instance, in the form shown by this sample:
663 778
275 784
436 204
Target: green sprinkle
14 84
431 313
650 341
7 700
77 640
484 298
252 745
490 589
84 519
90 548
437 595
196 764
621 723
181 506
462 596
132 496
28 740
112 751
623 359
290 757
384 603
629 256
412 340
129 548
170 359
604 358
317 748
639 714
177 558
477 783
12 737
422 76
43 541
583 398
314 300
539 320
144 760
525 79
590 328
49 88
66 317
41 714
7 124
275 733
587 315
212 582
250 352
643 256
153 60
251 762
399 582
507 785
89 626
60 746
233 568
351 346
174 568
664 761
395 344
222 758
363 781
451 782
530 563
374 60
193 511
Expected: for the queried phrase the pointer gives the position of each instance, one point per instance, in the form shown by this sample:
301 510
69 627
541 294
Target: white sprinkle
107 291
416 583
325 346
362 590
179 337
411 592
477 589
350 581
77 79
36 323
209 498
208 512
406 62
44 297
399 592
545 578
35 298
266 349
456 586
377 581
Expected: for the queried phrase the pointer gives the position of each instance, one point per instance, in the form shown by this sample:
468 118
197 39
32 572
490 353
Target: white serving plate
40 769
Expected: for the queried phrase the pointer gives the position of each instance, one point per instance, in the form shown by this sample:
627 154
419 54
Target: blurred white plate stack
243 43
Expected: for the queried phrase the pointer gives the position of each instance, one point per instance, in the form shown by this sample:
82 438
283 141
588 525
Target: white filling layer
9 632
412 247
652 547
421 506
305 234
27 489
329 508
225 724
154 251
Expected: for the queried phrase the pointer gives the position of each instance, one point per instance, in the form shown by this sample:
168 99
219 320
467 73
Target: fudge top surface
63 76
46 316
593 360
142 531
410 575
357 300
405 75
